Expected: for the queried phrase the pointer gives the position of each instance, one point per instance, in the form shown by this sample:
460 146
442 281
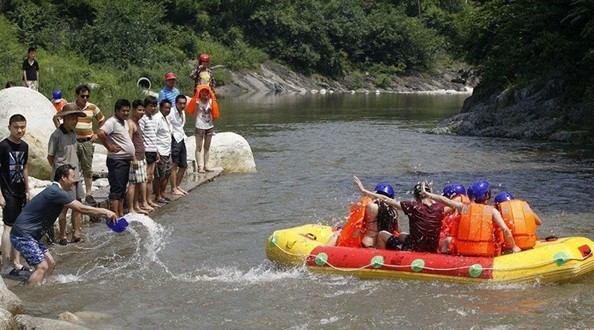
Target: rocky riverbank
275 78
539 110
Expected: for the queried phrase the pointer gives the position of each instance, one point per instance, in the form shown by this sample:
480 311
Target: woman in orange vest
367 218
476 234
520 219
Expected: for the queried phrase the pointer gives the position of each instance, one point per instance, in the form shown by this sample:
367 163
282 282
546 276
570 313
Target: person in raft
520 219
366 219
478 217
424 216
206 109
449 225
40 214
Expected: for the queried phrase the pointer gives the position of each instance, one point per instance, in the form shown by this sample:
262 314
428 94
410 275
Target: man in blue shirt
169 92
40 214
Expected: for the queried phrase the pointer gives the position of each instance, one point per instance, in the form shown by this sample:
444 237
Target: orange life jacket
519 218
475 234
352 232
59 105
214 105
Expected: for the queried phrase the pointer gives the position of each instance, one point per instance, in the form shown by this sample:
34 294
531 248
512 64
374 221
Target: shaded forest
112 43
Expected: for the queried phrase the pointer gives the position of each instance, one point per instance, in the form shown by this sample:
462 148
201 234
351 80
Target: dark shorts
151 157
394 243
179 154
164 167
14 206
205 132
118 173
30 248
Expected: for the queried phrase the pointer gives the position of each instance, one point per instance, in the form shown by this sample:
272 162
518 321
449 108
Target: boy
31 70
14 183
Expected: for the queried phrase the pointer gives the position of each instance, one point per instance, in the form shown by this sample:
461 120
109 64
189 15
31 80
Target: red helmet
204 58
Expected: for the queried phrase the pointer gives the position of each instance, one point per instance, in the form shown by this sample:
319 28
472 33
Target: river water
201 263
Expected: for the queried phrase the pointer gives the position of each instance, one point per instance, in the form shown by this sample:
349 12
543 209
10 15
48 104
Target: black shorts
14 206
151 157
394 243
118 173
179 154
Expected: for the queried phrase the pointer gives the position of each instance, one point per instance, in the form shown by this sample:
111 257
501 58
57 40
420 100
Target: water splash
124 254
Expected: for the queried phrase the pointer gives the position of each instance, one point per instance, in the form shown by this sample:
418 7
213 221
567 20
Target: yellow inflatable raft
558 260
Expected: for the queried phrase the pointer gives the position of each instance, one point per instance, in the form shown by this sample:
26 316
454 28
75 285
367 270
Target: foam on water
255 275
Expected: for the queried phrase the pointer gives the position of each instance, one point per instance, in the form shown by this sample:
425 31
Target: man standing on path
115 136
164 150
137 187
40 214
61 151
14 183
31 70
169 92
148 126
85 136
179 154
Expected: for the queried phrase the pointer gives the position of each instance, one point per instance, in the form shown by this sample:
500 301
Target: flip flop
162 201
77 240
63 241
16 272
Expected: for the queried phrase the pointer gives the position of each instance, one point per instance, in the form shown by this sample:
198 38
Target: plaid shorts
30 248
138 175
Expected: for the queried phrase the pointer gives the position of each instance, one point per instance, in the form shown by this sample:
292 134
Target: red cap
169 76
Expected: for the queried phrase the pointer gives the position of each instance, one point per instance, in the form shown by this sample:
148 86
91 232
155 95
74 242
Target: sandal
77 240
63 241
16 272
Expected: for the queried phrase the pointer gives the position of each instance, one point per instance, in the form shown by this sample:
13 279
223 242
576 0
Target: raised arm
442 199
366 192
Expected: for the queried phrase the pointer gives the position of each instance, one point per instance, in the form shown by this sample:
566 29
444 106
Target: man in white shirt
163 171
179 154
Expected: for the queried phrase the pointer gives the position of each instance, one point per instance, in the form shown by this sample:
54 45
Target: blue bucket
119 226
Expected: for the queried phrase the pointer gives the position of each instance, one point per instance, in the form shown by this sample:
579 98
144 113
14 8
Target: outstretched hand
358 183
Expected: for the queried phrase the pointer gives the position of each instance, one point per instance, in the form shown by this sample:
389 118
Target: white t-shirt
204 115
163 134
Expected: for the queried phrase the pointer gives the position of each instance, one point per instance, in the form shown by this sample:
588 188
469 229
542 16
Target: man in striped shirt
148 126
85 136
169 92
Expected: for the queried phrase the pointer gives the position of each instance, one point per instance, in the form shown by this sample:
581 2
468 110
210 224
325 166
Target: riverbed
202 265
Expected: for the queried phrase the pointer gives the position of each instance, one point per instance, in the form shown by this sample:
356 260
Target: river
201 263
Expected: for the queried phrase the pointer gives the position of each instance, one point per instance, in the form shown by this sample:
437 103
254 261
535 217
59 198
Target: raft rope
558 259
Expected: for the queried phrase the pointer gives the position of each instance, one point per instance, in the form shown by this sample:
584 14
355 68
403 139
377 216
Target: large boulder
38 111
10 301
227 150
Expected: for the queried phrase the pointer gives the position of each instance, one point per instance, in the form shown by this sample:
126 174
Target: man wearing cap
62 150
85 136
169 91
59 102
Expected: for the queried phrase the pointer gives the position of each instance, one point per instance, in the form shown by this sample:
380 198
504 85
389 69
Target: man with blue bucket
40 214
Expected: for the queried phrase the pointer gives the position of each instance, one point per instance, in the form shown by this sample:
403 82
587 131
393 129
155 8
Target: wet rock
39 111
7 321
10 301
26 322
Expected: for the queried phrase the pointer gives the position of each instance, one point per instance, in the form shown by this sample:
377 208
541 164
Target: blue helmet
57 94
384 189
502 197
479 191
453 189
